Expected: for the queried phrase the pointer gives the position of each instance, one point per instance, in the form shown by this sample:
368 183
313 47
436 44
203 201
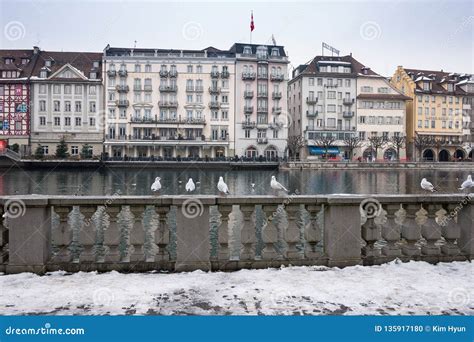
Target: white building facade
321 97
381 111
67 103
169 103
262 121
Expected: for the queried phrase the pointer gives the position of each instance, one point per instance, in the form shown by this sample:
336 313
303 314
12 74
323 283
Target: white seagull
425 185
277 186
222 186
190 185
156 186
468 183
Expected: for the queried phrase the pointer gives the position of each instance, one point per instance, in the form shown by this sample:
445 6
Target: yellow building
435 112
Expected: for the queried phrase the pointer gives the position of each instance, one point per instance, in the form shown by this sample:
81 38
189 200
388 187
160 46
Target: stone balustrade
185 233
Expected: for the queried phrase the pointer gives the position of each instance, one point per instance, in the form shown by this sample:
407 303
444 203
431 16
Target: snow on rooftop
334 62
414 288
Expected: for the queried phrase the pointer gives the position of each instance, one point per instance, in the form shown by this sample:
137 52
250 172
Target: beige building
169 103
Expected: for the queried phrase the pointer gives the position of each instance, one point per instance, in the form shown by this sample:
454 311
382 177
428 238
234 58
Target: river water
130 181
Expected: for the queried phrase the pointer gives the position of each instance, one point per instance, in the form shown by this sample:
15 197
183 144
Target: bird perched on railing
190 185
156 186
275 185
468 183
222 186
425 185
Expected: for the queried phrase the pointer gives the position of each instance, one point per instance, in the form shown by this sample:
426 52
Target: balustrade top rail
182 233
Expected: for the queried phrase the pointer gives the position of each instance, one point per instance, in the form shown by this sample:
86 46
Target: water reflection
138 181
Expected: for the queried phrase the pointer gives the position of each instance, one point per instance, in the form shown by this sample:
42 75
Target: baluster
450 230
411 230
75 222
87 235
61 236
100 220
137 234
3 238
373 217
162 234
248 232
270 232
223 233
313 232
292 233
112 235
150 223
391 231
125 221
431 232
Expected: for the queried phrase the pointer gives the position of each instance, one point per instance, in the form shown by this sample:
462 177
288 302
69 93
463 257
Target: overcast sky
381 34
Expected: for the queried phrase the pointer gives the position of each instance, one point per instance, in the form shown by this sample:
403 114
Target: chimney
36 50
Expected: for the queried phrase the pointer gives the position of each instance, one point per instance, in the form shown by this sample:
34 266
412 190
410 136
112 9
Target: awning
317 150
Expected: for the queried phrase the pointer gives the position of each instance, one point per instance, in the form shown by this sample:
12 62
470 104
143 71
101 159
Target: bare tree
376 142
325 142
295 144
399 142
352 143
421 142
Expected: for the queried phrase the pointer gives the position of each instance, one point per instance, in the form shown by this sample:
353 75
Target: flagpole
251 15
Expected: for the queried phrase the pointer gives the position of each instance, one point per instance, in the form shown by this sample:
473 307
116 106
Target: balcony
262 94
249 124
248 109
214 90
311 100
347 115
312 113
137 87
164 73
123 73
225 74
275 125
262 110
248 94
262 140
348 101
248 76
122 88
148 87
168 104
276 95
214 74
122 103
173 73
111 73
187 121
169 88
262 76
214 105
277 78
276 110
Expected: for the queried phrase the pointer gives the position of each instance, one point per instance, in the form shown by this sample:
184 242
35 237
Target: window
331 123
224 115
42 106
56 89
78 90
311 81
67 89
74 150
42 121
148 68
92 122
92 90
190 69
78 121
67 121
319 81
347 83
92 107
331 94
331 108
42 89
43 74
247 133
57 106
57 121
199 69
78 106
275 134
420 124
45 149
138 68
67 106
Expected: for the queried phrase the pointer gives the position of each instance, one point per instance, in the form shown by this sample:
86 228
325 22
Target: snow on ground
394 288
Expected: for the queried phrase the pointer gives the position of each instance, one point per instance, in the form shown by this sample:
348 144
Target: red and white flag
252 25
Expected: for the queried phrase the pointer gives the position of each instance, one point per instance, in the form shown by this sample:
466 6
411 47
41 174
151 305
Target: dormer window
247 50
275 52
95 64
450 87
47 63
322 69
8 60
24 61
426 85
93 75
43 74
262 52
